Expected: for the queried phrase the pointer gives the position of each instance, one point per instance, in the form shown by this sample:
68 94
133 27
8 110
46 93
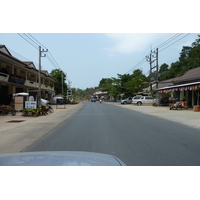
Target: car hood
59 158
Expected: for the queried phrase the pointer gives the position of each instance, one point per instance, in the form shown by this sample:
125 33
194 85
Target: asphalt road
136 138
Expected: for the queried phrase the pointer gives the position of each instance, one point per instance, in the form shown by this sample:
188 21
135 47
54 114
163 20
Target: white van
143 100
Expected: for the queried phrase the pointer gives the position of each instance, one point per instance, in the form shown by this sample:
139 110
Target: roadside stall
19 100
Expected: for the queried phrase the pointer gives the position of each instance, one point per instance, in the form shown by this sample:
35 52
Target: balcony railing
5 77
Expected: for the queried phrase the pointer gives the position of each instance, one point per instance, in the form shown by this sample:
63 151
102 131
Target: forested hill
189 59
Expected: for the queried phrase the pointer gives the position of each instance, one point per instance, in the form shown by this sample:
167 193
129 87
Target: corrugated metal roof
190 76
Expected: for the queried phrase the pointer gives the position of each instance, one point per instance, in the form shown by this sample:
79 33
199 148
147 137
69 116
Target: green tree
60 76
137 84
125 84
138 73
122 80
162 71
105 83
80 94
110 85
185 53
189 59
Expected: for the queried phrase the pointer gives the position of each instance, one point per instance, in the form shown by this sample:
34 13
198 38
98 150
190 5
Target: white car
139 100
127 100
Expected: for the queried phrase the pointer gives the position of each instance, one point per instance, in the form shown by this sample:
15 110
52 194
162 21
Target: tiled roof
4 50
28 64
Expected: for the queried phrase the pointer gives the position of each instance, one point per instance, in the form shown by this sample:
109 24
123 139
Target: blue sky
91 40
86 58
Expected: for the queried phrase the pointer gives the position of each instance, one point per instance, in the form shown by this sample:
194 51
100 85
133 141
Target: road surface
136 138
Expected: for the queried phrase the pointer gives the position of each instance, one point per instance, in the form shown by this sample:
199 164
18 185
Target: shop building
181 88
19 76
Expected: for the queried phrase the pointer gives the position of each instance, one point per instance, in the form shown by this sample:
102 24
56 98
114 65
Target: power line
37 41
137 65
51 61
48 51
33 41
174 42
161 45
144 60
17 55
169 40
28 41
54 59
45 48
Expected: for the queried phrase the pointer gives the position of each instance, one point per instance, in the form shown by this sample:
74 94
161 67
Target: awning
183 87
21 94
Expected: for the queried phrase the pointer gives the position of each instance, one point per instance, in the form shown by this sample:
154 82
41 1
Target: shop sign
30 104
16 79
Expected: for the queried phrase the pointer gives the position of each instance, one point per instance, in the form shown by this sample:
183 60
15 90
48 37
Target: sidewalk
16 136
186 117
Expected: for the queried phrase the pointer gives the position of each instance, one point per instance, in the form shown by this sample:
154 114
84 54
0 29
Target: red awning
184 88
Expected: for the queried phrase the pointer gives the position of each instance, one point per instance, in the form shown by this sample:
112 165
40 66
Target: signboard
59 101
30 104
33 96
16 79
69 92
19 103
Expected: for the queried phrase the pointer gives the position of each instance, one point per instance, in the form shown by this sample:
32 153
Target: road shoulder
14 137
186 117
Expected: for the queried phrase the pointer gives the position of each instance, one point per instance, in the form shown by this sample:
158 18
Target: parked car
139 100
127 100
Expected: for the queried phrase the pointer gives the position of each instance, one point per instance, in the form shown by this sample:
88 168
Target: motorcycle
100 100
49 109
176 106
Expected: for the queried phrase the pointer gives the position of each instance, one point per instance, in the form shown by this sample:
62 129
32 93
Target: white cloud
127 43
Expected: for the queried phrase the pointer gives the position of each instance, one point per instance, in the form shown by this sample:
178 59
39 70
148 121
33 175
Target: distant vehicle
54 101
139 100
93 100
59 158
127 100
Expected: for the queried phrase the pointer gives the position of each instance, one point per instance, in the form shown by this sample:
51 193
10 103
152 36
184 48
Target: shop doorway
4 96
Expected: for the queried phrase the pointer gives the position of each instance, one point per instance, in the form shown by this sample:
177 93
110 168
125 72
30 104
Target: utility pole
151 60
39 74
62 82
157 68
